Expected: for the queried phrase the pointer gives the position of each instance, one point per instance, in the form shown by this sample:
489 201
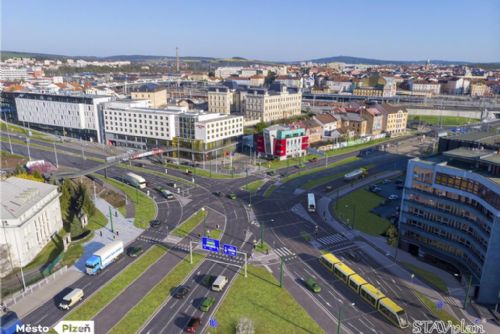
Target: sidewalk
124 226
29 303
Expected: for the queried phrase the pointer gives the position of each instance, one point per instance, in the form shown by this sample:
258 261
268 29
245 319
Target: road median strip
184 229
105 295
327 179
137 316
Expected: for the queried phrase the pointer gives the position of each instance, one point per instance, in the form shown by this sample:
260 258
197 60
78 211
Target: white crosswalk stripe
284 252
332 239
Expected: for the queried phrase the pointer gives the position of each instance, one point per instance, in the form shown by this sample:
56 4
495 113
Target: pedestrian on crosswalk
100 234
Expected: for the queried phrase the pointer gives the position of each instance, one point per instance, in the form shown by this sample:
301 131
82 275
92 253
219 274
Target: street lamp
204 220
340 315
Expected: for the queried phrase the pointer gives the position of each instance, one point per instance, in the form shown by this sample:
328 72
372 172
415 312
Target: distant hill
236 61
370 61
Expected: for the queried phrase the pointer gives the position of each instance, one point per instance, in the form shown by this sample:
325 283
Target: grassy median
427 276
319 169
259 298
253 186
141 312
356 207
145 208
190 224
327 179
96 302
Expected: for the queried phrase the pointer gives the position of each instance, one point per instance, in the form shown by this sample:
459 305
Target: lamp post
28 146
340 315
204 221
55 154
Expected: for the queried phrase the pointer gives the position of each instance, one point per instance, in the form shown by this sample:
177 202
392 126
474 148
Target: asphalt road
284 233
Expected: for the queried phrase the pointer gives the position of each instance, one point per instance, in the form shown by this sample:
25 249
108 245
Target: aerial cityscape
251 168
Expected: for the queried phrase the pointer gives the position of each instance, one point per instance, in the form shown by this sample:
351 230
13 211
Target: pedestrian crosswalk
226 258
284 253
451 301
336 240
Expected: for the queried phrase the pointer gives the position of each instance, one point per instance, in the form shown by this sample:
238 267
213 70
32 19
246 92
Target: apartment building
450 214
156 95
426 86
395 118
353 123
8 73
223 100
62 114
282 142
192 135
30 214
375 85
454 86
374 120
479 89
263 105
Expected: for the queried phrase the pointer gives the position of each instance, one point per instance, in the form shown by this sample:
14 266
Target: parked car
393 197
207 303
181 292
134 251
155 223
193 325
313 285
328 188
218 193
231 195
375 189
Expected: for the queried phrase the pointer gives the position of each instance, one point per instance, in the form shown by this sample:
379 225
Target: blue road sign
213 322
440 304
210 244
230 250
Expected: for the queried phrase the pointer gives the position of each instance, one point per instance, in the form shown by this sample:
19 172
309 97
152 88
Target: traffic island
259 298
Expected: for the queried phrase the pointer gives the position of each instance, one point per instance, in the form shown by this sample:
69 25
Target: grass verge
141 312
262 248
259 298
319 169
145 208
253 186
327 179
427 276
107 293
190 224
357 206
215 234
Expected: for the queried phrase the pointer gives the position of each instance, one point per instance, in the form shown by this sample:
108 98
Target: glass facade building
450 213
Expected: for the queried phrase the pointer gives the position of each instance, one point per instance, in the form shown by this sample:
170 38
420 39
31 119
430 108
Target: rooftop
482 137
19 195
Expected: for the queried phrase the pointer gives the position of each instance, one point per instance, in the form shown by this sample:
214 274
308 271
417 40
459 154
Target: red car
193 325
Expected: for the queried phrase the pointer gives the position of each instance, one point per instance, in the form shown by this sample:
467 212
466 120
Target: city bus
311 203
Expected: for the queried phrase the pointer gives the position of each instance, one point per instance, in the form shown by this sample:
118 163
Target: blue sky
271 29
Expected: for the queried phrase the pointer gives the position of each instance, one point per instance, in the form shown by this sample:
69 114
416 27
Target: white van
71 299
219 283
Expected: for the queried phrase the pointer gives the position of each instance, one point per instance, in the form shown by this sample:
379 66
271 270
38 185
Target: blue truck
10 322
104 257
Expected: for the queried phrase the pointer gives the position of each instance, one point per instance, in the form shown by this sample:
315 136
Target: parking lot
391 190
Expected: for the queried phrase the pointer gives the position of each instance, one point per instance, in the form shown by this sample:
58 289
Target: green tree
392 235
259 127
271 76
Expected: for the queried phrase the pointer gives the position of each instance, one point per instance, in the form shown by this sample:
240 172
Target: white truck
71 299
355 174
135 180
104 257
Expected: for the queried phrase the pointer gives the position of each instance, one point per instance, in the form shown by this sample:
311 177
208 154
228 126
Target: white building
224 72
266 105
426 86
13 73
223 100
193 133
30 215
69 115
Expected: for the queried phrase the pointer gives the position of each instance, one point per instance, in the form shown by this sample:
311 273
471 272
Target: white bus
311 203
135 180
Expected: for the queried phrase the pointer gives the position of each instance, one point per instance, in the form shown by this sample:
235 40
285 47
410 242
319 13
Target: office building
450 214
30 215
282 142
189 134
62 114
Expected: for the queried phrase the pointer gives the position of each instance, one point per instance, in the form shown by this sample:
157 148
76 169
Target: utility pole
111 219
57 161
340 315
281 271
10 143
28 146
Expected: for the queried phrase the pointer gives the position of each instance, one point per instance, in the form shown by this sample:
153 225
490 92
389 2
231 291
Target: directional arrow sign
210 244
230 250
